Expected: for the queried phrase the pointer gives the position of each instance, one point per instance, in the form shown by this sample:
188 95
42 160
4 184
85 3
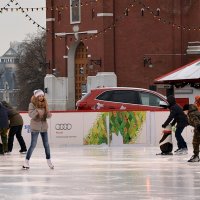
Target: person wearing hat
177 117
194 120
38 112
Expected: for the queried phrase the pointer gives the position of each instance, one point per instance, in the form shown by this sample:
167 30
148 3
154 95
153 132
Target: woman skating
38 112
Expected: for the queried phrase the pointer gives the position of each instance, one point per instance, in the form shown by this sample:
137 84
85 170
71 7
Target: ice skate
194 158
165 154
22 151
50 164
26 164
182 151
1 149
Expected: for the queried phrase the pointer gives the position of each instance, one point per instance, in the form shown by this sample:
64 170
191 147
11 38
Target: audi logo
65 126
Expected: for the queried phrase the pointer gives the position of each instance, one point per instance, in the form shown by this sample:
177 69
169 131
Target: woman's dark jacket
3 117
13 115
176 114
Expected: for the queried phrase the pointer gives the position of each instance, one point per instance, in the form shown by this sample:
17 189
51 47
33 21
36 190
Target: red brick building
124 37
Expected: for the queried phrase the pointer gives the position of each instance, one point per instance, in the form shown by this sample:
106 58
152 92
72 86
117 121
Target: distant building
8 83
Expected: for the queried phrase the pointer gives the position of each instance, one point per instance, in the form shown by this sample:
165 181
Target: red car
122 98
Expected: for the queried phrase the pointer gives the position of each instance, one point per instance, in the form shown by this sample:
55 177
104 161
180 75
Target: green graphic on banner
126 123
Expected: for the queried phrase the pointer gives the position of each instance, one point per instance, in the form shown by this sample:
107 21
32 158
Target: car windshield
150 99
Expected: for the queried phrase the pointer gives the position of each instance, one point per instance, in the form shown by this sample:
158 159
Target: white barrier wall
82 128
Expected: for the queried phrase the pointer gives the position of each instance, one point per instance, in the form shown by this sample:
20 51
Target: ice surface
100 173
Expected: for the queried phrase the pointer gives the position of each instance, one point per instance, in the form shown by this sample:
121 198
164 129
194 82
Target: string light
156 15
5 7
118 19
164 21
26 15
58 8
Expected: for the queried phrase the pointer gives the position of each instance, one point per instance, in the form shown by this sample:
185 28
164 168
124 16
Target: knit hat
186 107
38 93
171 100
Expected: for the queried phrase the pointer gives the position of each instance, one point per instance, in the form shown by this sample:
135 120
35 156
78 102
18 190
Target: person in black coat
16 124
4 125
178 117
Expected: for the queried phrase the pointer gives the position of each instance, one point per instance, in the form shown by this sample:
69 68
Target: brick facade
152 33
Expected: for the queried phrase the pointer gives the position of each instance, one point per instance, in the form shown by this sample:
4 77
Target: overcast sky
14 26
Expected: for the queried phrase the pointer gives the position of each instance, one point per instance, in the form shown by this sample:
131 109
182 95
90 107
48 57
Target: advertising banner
94 128
66 129
125 127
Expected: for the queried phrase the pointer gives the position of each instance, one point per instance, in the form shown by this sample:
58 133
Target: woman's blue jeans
34 137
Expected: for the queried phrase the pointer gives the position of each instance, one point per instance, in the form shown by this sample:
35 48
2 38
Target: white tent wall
187 92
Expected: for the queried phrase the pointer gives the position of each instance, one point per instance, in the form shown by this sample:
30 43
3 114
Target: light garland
5 7
118 19
164 21
126 13
26 15
57 8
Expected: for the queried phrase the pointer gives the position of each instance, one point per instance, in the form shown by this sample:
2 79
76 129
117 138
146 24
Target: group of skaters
11 124
182 117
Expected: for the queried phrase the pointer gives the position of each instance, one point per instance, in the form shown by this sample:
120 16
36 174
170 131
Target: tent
186 80
187 74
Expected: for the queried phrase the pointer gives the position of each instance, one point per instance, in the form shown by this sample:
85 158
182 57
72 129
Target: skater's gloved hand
172 124
163 126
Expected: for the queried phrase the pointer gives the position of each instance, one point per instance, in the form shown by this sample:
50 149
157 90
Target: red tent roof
186 73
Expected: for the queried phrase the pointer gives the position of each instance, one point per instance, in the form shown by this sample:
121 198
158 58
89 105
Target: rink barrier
100 128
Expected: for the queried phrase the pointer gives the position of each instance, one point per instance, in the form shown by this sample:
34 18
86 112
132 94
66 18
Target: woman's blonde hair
39 104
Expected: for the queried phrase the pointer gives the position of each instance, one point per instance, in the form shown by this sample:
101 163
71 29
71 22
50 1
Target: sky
14 26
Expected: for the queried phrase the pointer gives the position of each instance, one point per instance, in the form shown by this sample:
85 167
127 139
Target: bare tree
31 69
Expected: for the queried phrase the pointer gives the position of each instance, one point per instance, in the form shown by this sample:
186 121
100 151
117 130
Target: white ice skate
26 164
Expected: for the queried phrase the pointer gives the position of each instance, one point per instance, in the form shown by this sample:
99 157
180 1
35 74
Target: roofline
130 88
178 69
178 81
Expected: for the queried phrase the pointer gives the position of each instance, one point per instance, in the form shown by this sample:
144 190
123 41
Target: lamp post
96 62
147 62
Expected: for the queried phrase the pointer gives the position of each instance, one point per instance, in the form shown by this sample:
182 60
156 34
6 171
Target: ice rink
100 173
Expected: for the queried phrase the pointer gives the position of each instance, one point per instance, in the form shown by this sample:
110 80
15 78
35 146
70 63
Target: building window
75 11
